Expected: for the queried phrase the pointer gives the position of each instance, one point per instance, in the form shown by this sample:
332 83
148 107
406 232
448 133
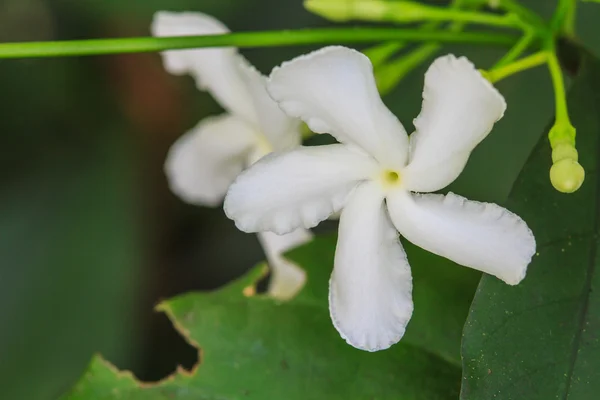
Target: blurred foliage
90 237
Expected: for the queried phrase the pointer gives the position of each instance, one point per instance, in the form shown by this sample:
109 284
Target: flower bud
345 10
367 10
567 175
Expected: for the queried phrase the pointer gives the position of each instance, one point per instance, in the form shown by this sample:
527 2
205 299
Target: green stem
473 17
560 96
245 39
388 75
563 9
569 24
516 51
380 53
523 64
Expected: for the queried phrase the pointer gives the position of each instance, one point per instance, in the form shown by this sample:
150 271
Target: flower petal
370 289
286 277
202 163
299 188
483 236
281 131
333 90
216 70
459 109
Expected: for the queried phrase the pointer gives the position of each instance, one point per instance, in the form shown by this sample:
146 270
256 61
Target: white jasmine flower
371 177
203 162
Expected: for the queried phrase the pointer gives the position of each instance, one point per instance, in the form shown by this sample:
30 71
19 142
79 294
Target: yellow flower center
391 178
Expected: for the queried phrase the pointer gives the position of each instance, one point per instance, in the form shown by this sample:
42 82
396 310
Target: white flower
371 175
203 162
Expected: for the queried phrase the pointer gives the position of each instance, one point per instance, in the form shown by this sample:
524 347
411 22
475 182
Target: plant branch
245 39
560 96
563 16
515 52
523 64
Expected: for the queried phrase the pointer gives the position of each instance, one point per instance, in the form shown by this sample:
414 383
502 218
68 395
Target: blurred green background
91 238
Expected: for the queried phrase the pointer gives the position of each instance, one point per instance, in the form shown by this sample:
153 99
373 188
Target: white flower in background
203 162
371 175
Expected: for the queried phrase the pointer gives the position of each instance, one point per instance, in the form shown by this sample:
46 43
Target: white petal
459 109
370 289
216 70
286 277
281 131
202 163
298 188
333 90
483 236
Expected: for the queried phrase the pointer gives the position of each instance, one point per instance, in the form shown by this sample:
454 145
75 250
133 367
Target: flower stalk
519 48
245 40
563 18
389 75
534 60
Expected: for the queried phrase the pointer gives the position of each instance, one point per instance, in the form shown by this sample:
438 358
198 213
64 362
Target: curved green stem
516 51
565 11
388 75
473 17
380 53
244 39
523 64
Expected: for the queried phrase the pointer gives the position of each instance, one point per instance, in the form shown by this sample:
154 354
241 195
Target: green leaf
539 340
255 348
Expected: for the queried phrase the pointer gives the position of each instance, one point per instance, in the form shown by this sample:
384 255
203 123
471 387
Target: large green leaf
539 340
254 348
